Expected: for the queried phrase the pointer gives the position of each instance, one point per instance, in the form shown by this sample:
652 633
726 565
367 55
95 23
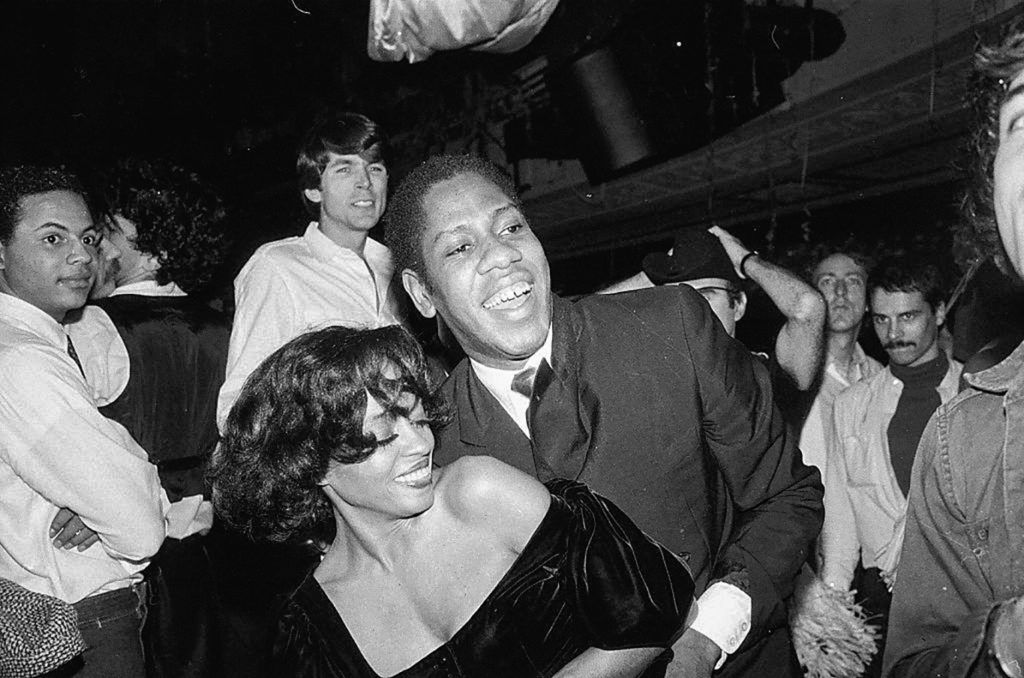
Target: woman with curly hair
474 569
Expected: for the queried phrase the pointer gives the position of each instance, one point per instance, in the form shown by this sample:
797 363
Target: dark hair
909 273
180 219
995 67
302 409
823 250
405 220
19 181
342 133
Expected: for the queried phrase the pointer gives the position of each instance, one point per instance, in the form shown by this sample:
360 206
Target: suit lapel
559 424
483 423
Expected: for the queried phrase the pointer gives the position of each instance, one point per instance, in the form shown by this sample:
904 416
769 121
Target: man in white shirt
57 450
841 275
334 274
643 396
878 424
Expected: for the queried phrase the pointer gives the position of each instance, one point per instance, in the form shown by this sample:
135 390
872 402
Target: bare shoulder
486 493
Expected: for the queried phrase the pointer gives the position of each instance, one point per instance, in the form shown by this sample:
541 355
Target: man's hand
1007 638
695 656
68 531
732 246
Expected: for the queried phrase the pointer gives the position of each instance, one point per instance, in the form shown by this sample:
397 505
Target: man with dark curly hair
159 368
958 602
333 274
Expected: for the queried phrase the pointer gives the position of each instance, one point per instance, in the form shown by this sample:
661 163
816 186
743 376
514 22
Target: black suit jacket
652 405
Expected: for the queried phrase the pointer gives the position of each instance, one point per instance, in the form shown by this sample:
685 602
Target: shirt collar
325 249
1005 376
150 288
498 380
23 314
855 373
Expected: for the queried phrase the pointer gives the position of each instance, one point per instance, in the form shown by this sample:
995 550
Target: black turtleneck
919 399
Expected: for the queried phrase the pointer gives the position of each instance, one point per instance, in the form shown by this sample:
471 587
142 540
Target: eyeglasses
708 292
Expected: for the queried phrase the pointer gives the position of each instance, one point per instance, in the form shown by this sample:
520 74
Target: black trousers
873 594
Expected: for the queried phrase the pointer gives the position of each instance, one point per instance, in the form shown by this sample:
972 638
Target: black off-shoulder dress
588 577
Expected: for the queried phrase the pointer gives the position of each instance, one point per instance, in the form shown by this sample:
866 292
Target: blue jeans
111 624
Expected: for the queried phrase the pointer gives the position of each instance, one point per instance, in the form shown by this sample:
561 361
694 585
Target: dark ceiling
227 86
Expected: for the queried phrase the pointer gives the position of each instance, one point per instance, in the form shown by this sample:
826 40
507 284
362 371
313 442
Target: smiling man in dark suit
642 396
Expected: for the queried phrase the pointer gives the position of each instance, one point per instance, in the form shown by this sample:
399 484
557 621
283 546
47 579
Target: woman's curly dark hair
179 219
303 409
995 66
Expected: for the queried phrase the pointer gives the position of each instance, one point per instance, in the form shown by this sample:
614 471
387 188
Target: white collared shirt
813 436
723 610
150 288
499 383
58 451
299 284
865 522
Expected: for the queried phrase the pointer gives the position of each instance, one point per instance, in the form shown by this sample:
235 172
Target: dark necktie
74 356
522 383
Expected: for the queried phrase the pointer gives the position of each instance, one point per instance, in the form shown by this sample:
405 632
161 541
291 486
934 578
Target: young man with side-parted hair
334 274
58 454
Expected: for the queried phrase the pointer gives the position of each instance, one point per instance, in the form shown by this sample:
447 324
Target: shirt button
983 534
977 551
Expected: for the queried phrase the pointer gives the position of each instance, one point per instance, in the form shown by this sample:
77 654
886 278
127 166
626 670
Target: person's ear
418 291
313 195
739 309
151 262
940 314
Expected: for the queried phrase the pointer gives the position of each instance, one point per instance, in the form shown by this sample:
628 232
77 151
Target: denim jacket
964 547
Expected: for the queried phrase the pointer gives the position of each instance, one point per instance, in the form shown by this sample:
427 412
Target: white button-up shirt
866 521
299 284
56 451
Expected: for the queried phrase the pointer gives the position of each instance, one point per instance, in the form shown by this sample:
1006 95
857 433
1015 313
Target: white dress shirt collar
499 383
325 249
149 288
25 315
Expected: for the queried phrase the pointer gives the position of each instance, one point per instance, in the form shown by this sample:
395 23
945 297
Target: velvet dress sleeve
627 590
303 645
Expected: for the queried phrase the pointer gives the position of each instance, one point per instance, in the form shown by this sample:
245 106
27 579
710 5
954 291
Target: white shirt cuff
723 615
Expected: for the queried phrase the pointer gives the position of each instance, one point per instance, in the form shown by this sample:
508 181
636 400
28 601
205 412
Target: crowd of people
611 485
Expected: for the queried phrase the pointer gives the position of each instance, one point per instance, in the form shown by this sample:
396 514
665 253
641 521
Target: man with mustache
643 396
877 426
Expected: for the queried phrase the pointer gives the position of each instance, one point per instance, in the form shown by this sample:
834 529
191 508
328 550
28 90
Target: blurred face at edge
1008 175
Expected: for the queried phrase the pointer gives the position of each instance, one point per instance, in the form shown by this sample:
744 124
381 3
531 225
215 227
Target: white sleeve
265 319
102 352
723 615
59 444
840 545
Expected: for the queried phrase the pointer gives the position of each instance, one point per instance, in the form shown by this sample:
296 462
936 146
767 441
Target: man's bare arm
799 346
